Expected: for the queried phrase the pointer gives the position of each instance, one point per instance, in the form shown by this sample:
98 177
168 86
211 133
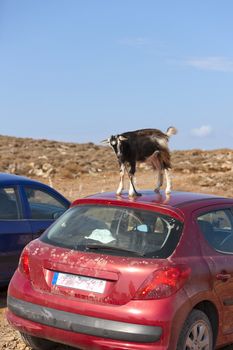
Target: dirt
78 170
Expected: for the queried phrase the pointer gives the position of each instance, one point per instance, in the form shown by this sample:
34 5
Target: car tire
37 343
196 333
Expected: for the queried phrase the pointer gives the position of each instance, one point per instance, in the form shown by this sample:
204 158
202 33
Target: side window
9 208
217 228
43 205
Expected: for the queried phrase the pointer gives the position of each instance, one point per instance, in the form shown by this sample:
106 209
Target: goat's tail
171 131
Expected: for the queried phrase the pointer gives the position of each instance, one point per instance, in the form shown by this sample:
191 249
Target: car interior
9 208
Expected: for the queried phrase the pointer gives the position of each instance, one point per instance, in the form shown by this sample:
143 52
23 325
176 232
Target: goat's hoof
118 194
157 190
135 194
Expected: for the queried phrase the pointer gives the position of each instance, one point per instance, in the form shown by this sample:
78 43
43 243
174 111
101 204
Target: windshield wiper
113 248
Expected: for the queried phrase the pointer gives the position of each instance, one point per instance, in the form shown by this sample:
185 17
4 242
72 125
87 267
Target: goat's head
117 143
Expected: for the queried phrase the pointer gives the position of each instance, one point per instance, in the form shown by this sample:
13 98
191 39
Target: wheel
37 343
196 333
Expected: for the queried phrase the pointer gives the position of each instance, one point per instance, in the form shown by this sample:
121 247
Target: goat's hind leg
168 181
156 164
159 180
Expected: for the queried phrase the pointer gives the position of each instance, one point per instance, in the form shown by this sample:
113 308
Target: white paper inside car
103 236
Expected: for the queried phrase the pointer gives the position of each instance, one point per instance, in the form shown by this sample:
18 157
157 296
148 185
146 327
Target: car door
15 231
44 206
216 226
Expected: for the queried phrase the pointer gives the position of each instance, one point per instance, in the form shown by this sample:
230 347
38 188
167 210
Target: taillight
163 283
24 262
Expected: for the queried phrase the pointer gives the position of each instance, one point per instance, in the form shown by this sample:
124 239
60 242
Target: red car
152 273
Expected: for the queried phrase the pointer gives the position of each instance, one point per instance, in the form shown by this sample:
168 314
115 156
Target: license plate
78 282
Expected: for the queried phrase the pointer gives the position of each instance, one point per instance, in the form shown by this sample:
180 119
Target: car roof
176 203
6 178
175 199
12 180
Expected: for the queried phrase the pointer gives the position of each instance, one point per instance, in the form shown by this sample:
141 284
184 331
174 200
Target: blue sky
81 70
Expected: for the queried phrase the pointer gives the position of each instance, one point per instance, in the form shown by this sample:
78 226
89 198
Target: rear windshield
115 230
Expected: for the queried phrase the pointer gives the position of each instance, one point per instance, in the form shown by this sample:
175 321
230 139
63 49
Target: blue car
27 208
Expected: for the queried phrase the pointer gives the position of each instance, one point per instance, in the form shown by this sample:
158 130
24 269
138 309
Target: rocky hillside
45 159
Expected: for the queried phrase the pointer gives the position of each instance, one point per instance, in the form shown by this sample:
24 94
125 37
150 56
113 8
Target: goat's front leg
168 180
132 189
121 184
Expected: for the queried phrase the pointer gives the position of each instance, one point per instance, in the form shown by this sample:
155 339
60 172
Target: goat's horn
106 141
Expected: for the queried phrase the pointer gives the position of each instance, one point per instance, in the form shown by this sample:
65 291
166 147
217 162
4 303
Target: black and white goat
145 145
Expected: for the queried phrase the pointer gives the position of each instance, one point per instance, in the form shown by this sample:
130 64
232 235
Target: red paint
154 292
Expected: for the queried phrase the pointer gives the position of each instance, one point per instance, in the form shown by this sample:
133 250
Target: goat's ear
122 138
105 142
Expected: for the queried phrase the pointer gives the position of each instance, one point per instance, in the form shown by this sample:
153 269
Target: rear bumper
77 323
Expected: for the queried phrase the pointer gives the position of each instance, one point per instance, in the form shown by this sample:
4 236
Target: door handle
223 276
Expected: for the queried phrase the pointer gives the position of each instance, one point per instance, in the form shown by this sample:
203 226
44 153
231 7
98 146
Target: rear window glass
115 230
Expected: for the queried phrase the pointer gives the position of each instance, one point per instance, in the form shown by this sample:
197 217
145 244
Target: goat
145 145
